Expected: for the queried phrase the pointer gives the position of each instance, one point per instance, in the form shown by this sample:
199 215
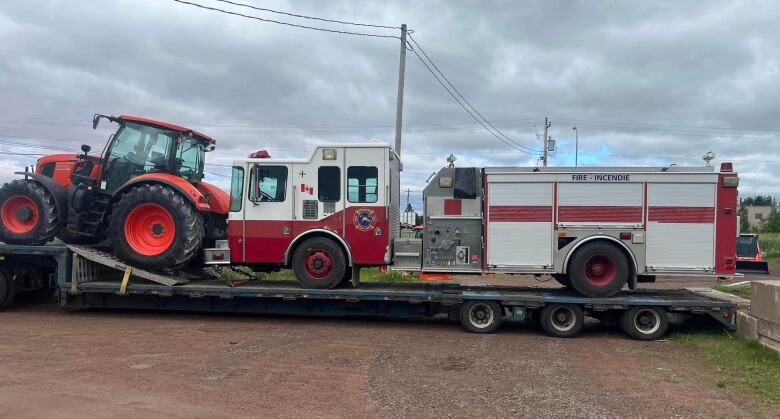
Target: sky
645 83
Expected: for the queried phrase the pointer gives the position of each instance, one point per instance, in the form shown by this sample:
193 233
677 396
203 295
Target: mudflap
752 267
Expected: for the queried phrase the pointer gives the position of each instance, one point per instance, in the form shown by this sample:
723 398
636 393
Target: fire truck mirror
465 183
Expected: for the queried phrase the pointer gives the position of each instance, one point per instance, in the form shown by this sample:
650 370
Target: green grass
366 275
744 366
770 243
739 290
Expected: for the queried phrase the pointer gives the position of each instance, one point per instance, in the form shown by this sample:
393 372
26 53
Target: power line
342 22
509 143
214 9
464 99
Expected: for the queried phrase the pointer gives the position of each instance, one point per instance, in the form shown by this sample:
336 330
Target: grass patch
366 275
739 290
770 243
743 365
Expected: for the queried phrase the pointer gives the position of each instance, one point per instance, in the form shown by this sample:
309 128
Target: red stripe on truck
692 215
518 213
604 214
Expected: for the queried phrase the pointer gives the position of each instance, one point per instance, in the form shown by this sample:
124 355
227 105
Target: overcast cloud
646 83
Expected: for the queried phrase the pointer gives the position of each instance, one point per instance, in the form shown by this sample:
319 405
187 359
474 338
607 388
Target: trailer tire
598 269
319 263
28 213
562 320
7 289
644 323
154 227
480 316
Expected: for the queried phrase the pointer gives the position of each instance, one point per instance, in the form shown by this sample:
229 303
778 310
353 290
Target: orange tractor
145 193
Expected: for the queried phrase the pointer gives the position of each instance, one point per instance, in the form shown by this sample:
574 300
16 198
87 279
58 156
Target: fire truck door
269 213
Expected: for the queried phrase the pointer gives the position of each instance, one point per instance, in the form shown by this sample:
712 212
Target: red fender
185 188
218 199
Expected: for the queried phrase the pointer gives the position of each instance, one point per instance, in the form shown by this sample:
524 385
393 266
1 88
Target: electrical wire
215 9
509 143
465 100
342 22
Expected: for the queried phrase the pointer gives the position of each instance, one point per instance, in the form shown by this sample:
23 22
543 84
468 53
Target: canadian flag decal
309 189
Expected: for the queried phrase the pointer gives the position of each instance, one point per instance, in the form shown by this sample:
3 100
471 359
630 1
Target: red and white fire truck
594 229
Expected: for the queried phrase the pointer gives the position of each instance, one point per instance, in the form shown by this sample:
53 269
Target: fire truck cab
323 216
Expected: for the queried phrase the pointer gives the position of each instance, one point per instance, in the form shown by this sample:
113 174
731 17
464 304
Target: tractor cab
141 146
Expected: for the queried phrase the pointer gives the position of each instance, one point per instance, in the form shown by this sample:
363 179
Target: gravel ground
127 364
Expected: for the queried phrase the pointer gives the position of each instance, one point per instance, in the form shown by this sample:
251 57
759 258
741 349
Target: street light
576 145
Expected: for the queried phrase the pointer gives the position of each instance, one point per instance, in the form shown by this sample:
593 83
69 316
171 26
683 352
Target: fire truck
593 229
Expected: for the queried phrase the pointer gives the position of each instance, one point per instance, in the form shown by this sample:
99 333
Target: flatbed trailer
87 278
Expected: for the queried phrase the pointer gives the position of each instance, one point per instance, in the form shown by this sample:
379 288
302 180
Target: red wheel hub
600 270
19 214
318 263
149 229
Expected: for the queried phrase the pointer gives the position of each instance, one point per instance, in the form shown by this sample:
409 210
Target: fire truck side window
329 184
268 184
236 189
362 184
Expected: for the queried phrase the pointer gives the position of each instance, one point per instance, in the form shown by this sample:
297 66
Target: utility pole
399 110
576 145
545 140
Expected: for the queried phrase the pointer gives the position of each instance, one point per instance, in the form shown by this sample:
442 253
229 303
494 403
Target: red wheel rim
600 270
149 229
19 214
318 264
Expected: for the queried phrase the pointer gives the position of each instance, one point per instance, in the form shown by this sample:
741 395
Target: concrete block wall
762 322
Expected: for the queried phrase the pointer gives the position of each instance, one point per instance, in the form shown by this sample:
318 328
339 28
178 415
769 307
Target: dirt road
142 364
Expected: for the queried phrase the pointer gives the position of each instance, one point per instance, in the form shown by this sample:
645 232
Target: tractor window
329 184
137 149
268 184
189 159
362 184
236 189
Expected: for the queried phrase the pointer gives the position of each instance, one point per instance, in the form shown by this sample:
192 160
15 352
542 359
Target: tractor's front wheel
28 213
154 227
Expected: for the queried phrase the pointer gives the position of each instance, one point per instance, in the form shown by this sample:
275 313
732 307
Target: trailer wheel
7 289
154 227
28 213
319 263
480 316
562 320
598 270
644 323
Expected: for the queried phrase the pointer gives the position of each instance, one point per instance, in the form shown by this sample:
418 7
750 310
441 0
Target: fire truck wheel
319 263
562 320
156 228
28 212
644 323
479 316
598 270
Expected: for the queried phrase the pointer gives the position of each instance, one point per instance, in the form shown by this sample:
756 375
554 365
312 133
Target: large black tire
140 227
28 213
480 316
563 320
7 289
644 323
319 263
598 270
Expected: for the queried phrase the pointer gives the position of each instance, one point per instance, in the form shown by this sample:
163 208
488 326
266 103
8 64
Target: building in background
758 214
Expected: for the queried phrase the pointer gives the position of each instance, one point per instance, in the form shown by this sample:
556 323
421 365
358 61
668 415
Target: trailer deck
86 279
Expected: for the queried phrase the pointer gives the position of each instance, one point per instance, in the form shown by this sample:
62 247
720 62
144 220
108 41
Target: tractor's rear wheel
28 213
154 227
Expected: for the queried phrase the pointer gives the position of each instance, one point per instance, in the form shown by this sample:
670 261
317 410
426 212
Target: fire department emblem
364 219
